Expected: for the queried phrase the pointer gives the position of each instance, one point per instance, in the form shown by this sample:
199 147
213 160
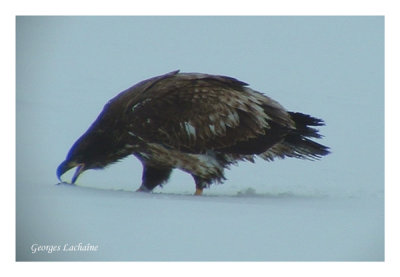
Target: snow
248 226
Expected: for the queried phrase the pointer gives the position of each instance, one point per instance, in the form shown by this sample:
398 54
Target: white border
204 7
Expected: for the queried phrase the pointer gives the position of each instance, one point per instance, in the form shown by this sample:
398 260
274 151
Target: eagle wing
197 112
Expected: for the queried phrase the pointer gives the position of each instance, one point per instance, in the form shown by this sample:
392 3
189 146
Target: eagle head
93 150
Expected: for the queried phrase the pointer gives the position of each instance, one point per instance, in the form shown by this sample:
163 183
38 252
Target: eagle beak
65 166
79 170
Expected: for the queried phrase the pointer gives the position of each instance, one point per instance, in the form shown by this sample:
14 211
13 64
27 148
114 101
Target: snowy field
128 226
286 210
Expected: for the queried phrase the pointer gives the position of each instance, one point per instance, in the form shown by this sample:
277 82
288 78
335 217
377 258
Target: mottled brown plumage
198 123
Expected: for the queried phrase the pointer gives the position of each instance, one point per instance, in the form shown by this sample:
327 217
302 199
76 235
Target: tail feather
297 144
303 121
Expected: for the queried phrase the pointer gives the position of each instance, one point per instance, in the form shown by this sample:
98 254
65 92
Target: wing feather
195 112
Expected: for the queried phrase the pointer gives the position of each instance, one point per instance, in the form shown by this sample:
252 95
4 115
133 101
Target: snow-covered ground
171 227
286 210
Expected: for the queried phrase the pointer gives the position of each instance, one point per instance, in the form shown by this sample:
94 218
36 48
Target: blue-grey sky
329 67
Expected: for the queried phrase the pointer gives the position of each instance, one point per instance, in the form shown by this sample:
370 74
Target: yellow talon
198 192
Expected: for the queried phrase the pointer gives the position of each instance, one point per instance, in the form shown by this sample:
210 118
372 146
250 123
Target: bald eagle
198 123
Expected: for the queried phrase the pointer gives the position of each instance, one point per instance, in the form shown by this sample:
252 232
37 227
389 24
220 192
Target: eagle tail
299 139
298 143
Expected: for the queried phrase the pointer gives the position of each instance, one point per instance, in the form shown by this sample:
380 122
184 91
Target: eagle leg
153 176
201 183
198 191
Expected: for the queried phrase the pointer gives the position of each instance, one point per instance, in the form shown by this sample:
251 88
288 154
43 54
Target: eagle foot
143 189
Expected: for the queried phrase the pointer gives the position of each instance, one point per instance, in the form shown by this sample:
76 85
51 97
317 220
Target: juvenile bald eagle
198 123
